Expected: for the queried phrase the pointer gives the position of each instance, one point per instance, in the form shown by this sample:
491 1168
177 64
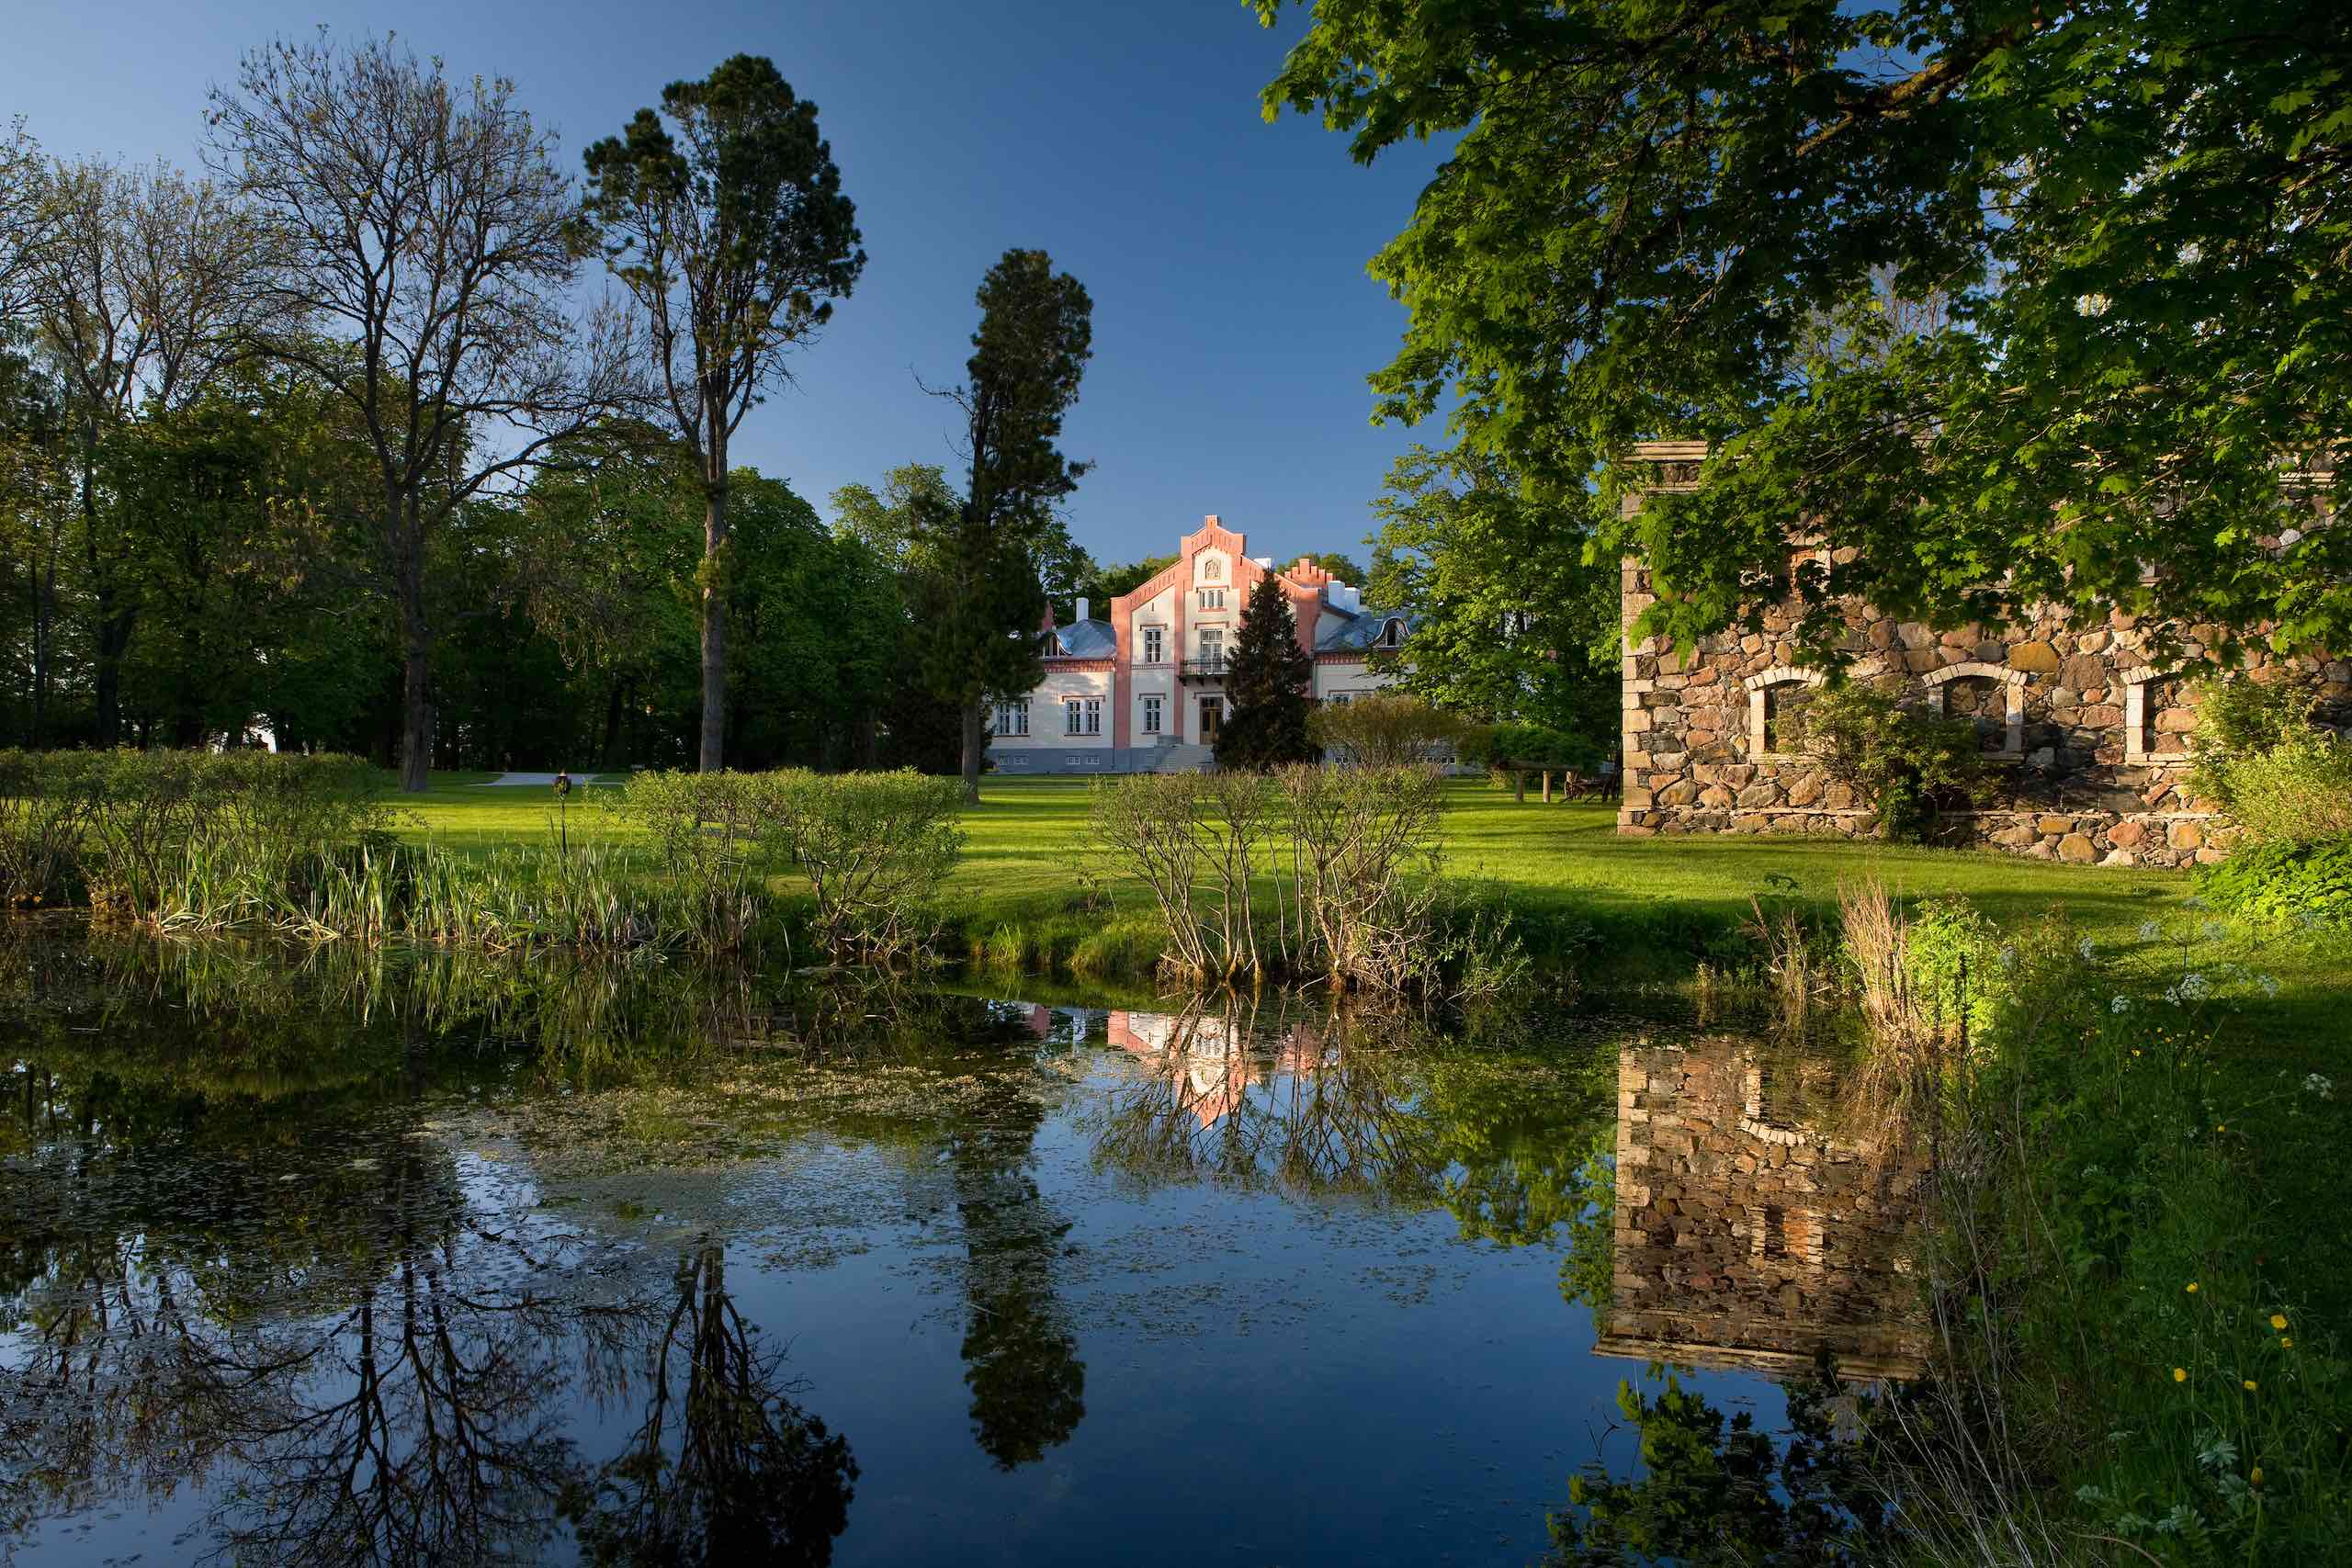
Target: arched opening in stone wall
1984 702
2165 719
1784 711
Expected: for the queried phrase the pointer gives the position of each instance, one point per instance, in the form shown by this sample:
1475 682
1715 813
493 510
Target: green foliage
181 838
2294 882
1952 964
1269 683
1510 619
1905 766
2274 773
1716 1491
1529 745
2164 1359
1979 292
987 552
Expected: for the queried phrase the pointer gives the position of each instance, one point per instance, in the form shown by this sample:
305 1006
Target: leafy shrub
182 837
1905 766
1951 966
2260 759
2285 880
1383 731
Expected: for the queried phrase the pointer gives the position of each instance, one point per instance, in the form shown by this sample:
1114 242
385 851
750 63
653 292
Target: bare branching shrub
1366 865
877 847
1194 840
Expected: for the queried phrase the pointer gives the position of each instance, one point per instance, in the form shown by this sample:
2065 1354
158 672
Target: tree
23 222
1510 619
1705 221
433 245
913 725
145 288
1035 334
1269 681
735 239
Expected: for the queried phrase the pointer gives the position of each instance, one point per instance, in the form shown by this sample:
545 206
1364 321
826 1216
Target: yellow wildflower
2277 1320
2192 1287
2251 1385
2180 1374
2255 1477
2285 1343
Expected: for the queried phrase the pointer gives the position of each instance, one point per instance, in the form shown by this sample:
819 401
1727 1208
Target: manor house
1144 690
2092 728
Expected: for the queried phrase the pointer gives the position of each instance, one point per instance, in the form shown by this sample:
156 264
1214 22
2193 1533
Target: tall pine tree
1269 681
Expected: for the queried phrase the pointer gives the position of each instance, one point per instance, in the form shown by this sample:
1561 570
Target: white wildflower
2150 931
2008 958
2087 948
2320 1085
2195 987
2120 1004
2211 930
2172 995
2270 984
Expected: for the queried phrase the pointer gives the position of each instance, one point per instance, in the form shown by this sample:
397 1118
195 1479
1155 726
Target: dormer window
1392 634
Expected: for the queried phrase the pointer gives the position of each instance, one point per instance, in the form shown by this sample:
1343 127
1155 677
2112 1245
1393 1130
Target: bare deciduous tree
430 247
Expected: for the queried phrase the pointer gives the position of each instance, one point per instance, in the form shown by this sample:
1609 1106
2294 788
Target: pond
431 1260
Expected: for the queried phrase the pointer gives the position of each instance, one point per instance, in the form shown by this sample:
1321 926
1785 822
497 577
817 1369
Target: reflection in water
1750 1231
722 1468
259 1261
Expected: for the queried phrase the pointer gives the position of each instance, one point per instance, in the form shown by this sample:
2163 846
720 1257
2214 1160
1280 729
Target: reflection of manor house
1212 1059
1744 1238
2089 728
1144 690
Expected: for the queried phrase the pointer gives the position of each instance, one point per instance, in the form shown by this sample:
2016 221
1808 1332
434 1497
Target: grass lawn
1653 907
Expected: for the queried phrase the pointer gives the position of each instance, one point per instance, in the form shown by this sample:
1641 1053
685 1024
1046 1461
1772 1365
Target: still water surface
434 1260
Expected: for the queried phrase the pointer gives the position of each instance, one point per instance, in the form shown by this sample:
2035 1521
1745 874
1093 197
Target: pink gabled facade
1142 689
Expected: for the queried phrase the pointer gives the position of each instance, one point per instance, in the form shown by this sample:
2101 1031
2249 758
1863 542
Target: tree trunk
609 754
416 638
114 638
714 615
975 743
44 616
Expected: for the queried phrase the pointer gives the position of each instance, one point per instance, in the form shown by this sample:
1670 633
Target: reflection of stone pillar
1743 1235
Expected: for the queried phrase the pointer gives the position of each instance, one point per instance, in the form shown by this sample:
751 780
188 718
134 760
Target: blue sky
1234 324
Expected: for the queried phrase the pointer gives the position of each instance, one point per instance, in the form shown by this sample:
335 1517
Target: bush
2301 882
2272 772
1384 731
876 848
1951 966
181 836
1905 766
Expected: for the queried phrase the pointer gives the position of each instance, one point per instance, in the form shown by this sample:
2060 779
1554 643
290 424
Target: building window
1777 699
1992 696
2157 719
1151 715
1154 650
1013 718
1391 634
1340 699
1212 598
1081 716
1212 647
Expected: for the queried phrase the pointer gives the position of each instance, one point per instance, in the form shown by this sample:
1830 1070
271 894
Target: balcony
1202 668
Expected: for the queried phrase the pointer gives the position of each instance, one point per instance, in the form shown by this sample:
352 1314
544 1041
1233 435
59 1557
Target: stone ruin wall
1745 1235
2092 733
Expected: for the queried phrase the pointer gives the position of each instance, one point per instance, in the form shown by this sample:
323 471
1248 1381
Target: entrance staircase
1181 760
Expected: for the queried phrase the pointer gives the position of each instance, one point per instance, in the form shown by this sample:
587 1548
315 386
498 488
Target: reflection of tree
1020 1350
723 1468
1719 1493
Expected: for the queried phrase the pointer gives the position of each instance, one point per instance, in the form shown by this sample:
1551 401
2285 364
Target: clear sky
1234 324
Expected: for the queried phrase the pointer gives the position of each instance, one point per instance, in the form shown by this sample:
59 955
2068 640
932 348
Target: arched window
2157 719
1990 695
1777 699
1392 634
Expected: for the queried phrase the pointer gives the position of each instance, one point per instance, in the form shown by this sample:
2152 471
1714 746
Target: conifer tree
1269 680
